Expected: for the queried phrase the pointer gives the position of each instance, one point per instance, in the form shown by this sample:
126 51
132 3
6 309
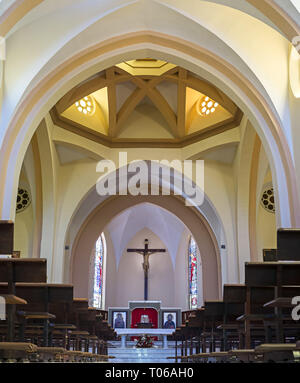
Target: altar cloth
123 332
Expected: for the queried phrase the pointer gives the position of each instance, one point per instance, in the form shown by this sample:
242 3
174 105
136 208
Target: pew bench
197 358
51 354
273 352
78 340
60 335
243 356
86 357
16 352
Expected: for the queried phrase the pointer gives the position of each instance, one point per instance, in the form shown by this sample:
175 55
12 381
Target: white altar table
123 332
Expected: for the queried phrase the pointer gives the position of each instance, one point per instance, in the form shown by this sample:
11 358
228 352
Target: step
132 354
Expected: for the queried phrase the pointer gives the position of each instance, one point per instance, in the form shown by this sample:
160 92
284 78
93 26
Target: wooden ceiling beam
77 93
146 86
112 102
181 103
210 91
128 107
100 138
163 106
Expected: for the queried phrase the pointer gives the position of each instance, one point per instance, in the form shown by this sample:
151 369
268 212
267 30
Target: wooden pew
243 356
288 244
78 337
89 326
39 297
185 315
277 352
270 255
234 302
275 274
189 334
252 313
11 351
20 270
213 317
6 237
44 297
91 320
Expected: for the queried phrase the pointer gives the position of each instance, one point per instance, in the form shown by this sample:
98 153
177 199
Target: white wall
130 275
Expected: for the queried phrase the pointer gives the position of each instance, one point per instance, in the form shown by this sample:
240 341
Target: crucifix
146 252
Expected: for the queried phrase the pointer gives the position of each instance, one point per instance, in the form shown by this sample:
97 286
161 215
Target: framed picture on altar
169 319
119 319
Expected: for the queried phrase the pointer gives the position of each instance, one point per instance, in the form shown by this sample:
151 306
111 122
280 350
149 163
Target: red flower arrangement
145 341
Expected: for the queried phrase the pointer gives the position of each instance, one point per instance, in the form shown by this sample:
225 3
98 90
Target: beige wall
266 231
102 216
130 274
24 222
266 221
23 233
110 273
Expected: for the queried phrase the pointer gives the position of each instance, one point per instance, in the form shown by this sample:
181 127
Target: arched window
193 272
98 296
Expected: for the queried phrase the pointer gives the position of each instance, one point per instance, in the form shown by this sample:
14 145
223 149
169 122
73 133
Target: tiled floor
131 354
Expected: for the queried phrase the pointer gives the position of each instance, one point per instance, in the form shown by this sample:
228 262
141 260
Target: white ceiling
225 154
68 154
163 224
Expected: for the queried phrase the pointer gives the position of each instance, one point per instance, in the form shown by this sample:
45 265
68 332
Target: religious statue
146 262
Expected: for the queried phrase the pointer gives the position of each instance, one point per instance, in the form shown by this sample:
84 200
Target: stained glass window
193 265
98 273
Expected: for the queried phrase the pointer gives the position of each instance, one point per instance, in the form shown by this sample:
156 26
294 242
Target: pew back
270 255
288 244
272 274
6 237
214 309
23 270
234 293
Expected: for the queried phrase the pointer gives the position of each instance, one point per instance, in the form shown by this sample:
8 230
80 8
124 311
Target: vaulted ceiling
162 223
146 103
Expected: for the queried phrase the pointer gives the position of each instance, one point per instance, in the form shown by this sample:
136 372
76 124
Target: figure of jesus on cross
146 252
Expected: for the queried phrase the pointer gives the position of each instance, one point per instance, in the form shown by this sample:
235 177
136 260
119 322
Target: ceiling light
86 105
206 106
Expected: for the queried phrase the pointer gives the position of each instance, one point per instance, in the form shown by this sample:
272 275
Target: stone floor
132 354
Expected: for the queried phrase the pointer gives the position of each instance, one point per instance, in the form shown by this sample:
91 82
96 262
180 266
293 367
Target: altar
124 332
144 316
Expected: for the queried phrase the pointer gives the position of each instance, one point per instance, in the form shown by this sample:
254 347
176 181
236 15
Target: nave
254 322
150 182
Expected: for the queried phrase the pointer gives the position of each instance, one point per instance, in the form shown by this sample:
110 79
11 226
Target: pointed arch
98 272
193 257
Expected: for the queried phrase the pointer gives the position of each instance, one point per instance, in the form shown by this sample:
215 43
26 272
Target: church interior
91 94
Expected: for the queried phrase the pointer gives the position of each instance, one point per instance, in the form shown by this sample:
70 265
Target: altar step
131 354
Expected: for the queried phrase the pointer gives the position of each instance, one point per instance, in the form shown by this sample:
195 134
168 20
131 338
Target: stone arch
92 200
281 19
265 121
194 221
